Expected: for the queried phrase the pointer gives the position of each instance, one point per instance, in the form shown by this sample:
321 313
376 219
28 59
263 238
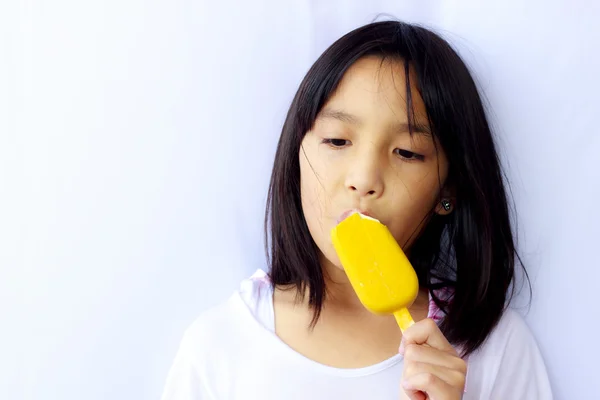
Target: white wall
136 143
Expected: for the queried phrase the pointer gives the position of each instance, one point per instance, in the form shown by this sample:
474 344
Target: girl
388 122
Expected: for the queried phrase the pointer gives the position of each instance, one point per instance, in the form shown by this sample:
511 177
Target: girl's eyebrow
402 127
342 116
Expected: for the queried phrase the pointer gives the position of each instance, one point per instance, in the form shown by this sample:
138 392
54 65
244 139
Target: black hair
470 251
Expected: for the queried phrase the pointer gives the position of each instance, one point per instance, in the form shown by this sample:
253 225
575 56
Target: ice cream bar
379 271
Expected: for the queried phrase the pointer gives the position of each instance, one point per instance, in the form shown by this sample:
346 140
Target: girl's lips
348 213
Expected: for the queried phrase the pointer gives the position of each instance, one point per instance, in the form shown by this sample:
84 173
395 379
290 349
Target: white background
136 141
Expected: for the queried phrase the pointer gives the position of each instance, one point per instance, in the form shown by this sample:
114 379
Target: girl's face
360 156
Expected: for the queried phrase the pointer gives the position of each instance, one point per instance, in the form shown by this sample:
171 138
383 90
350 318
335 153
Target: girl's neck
341 295
347 335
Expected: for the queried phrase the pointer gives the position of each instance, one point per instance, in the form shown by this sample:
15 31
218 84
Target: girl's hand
432 368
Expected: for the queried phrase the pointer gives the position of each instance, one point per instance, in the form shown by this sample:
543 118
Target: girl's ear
447 202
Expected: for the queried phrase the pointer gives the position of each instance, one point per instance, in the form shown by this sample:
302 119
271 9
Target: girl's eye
409 155
336 143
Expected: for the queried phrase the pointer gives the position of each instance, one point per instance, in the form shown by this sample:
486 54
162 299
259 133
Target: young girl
388 122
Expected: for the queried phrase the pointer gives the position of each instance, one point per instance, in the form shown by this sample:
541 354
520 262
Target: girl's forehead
376 89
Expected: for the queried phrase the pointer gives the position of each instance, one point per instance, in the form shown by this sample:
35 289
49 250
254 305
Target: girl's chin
337 266
333 263
330 259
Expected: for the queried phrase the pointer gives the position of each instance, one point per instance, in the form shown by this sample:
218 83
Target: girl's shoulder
243 305
509 362
248 309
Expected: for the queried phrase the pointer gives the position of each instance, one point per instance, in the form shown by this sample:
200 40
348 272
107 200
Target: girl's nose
364 178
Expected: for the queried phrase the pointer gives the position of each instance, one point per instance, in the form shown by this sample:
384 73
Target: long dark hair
472 250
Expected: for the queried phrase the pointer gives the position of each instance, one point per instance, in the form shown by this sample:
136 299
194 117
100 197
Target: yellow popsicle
379 271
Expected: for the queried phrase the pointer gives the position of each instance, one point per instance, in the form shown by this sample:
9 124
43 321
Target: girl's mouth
348 213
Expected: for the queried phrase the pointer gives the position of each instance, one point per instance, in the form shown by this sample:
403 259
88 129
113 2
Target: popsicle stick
404 319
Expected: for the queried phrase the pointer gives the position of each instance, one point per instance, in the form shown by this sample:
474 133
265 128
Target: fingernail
407 385
401 348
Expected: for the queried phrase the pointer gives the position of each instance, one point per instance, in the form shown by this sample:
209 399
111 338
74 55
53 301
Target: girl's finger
434 387
427 332
414 395
452 377
414 353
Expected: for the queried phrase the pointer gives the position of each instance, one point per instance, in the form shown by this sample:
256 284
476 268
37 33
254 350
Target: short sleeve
520 372
183 380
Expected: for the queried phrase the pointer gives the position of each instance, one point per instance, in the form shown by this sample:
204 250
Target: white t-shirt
232 352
